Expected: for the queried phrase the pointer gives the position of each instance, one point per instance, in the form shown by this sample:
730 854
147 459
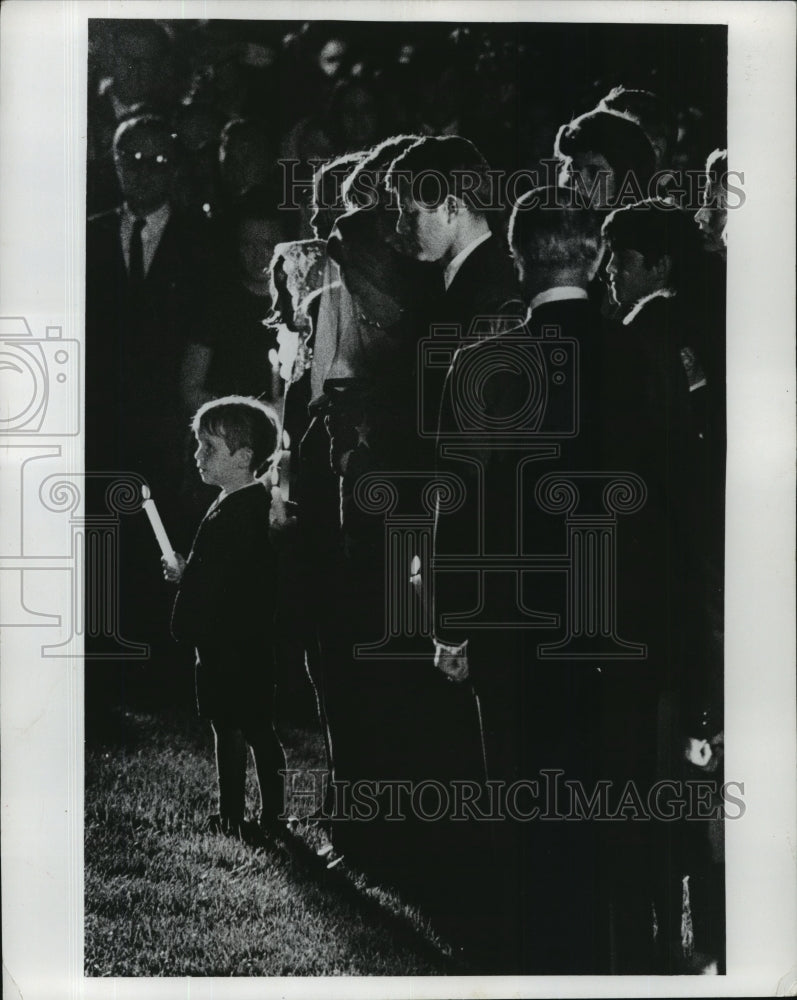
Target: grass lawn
162 899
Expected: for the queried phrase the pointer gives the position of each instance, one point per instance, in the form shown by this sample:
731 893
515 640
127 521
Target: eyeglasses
140 159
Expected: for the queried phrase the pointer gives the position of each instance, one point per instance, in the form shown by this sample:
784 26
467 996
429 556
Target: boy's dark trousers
269 757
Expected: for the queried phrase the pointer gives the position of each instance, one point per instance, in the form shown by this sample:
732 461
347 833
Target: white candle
157 526
281 471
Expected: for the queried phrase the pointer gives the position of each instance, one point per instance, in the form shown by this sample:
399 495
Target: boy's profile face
629 277
217 465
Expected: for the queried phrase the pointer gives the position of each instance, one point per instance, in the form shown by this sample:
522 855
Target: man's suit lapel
469 277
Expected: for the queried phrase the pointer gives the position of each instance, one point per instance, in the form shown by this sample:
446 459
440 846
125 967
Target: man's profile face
427 232
712 217
144 166
630 279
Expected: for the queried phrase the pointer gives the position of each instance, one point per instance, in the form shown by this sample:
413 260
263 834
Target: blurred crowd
251 232
240 95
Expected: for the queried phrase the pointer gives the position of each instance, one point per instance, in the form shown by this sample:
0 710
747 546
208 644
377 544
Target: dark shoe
333 860
221 824
251 834
275 830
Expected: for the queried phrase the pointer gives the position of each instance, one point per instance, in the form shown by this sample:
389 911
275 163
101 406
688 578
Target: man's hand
173 574
452 661
280 516
705 754
697 752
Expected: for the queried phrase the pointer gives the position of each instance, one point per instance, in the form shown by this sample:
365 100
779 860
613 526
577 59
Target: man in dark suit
146 275
450 214
146 269
517 406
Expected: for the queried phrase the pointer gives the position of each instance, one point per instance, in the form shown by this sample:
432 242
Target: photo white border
43 74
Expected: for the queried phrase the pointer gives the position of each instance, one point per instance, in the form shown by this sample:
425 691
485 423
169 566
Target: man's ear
663 268
594 267
244 456
452 206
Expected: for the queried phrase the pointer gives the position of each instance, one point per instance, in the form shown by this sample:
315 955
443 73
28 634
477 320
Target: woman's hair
620 141
648 110
366 185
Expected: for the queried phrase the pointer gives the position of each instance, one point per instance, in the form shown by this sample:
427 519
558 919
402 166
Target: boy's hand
172 573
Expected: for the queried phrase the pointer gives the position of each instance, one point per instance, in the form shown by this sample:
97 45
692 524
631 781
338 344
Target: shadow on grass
352 887
154 884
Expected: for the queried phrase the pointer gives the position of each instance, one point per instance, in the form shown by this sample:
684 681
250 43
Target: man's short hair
366 185
554 228
154 122
438 166
244 130
622 142
655 228
243 422
648 110
151 31
717 167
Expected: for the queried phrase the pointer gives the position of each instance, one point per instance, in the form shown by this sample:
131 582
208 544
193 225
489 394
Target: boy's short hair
655 228
243 422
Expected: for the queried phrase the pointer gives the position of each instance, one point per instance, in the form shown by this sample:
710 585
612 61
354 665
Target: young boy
225 606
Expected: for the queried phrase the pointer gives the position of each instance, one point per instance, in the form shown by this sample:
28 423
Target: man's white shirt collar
557 294
660 293
454 265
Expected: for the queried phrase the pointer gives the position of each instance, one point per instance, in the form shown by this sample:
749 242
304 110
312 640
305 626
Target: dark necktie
136 271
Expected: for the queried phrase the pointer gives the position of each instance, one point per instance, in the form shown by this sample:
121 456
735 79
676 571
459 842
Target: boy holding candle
225 606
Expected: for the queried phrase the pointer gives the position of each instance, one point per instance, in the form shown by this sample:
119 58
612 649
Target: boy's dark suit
225 608
670 577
